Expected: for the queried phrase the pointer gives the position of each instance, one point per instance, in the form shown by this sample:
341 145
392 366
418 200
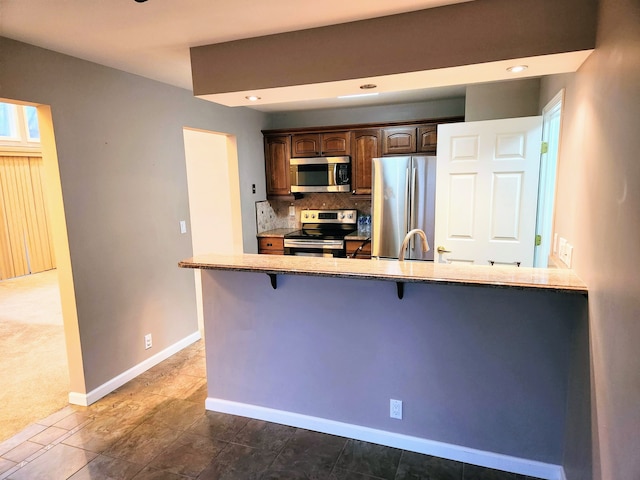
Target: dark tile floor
155 427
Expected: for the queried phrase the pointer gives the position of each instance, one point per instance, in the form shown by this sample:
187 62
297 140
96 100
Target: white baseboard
472 456
96 394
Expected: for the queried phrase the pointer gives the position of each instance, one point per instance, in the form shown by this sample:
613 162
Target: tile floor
155 427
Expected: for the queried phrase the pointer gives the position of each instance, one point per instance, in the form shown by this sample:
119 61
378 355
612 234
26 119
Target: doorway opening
214 197
31 196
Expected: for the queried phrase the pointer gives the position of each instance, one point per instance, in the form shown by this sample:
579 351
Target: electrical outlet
395 409
147 341
568 254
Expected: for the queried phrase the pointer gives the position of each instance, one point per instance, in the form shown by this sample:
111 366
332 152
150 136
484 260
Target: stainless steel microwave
320 174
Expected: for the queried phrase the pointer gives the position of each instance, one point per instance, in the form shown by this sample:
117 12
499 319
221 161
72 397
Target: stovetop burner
321 233
325 224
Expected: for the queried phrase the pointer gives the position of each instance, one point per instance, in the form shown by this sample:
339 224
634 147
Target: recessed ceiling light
358 95
368 86
517 68
252 98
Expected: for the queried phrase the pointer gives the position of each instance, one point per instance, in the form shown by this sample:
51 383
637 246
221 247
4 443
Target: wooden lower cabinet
355 245
271 245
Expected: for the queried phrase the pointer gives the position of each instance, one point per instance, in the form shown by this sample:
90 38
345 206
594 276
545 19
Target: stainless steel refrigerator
403 198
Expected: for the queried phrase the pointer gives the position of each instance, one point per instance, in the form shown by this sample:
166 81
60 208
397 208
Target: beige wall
214 198
598 208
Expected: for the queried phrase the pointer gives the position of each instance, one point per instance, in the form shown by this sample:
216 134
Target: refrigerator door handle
407 198
413 206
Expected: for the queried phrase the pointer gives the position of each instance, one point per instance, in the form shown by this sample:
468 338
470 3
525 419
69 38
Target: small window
8 122
19 127
31 120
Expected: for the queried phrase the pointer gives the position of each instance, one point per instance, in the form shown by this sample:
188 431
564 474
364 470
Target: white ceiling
152 39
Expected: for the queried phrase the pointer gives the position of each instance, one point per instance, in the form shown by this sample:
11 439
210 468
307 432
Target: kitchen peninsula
491 363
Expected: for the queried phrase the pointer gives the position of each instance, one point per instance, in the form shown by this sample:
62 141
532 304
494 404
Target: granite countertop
554 279
276 232
358 236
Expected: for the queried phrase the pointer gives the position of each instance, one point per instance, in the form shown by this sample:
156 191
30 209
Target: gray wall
449 107
597 211
493 101
479 367
122 166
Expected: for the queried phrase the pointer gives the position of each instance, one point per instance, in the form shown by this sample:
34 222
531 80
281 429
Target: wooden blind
25 239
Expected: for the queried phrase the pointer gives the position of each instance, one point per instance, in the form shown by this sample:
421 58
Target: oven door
314 248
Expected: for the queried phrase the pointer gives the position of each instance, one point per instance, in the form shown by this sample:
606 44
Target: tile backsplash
272 214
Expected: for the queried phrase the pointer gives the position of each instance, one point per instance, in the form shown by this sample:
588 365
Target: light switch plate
183 226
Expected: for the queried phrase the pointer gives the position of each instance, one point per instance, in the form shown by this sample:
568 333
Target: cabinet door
336 144
306 145
398 140
358 249
428 138
365 146
276 155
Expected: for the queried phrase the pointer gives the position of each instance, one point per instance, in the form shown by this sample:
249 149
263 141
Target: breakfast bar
491 364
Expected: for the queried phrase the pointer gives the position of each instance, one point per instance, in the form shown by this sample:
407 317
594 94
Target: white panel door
486 191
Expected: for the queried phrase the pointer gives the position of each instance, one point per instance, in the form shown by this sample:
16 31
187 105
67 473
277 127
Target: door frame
551 133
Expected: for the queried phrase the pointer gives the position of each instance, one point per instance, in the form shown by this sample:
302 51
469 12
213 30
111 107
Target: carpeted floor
34 377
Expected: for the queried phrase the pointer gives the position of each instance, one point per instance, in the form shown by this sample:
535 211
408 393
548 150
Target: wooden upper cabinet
365 145
336 144
276 155
427 138
306 145
320 144
398 140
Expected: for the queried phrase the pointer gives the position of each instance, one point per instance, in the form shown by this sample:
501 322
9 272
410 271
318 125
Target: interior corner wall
509 99
119 140
597 211
439 108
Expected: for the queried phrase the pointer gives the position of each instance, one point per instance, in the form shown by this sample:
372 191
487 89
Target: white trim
481 458
86 399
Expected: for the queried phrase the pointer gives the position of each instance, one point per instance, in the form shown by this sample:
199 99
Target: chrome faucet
405 242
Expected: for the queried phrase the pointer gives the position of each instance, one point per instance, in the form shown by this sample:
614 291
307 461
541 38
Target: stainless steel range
322 233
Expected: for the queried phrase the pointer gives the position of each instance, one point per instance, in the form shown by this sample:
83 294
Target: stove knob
306 215
351 215
341 216
313 215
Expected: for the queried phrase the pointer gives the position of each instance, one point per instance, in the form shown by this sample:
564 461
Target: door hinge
544 148
538 240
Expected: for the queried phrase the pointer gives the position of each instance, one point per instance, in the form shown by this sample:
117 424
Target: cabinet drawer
271 245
